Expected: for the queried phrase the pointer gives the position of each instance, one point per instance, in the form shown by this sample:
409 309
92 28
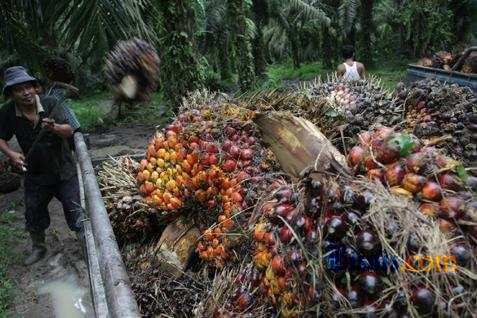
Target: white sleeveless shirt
351 72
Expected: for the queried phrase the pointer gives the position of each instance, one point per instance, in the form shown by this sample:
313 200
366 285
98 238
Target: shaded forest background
227 45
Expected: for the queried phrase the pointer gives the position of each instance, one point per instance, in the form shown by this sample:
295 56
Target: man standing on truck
350 70
44 129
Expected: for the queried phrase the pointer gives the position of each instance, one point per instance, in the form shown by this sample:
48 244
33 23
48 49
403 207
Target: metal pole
98 294
121 301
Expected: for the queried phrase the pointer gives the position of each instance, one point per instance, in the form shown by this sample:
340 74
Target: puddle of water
67 296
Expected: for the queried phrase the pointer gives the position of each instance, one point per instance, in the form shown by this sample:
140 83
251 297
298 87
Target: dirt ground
64 260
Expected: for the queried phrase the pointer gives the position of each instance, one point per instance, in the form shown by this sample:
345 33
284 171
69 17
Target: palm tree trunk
259 53
181 70
327 48
242 43
367 29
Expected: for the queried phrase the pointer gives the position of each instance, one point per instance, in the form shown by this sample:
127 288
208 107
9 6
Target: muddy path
63 263
63 269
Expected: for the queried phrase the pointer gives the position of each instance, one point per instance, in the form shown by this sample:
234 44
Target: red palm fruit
356 156
431 191
376 175
278 265
450 181
394 174
429 209
285 234
416 162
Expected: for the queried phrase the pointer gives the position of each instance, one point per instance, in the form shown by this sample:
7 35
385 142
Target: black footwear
38 248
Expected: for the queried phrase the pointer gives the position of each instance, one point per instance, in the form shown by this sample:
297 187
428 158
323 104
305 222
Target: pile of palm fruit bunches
396 237
441 114
446 61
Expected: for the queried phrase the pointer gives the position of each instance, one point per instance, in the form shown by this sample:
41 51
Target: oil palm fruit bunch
441 185
443 114
286 278
203 158
355 106
443 60
132 70
470 65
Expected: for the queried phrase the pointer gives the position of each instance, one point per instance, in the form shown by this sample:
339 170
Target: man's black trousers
37 198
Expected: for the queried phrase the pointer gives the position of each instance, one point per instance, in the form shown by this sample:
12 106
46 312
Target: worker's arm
361 71
63 130
17 158
341 70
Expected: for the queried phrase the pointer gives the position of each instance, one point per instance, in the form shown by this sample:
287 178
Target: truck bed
416 73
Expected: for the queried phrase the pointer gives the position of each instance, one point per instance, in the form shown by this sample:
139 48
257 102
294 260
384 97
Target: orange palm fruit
176 202
149 186
146 175
167 197
143 164
208 235
160 153
160 162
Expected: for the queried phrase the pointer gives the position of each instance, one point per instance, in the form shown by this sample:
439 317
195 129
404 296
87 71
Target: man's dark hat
16 75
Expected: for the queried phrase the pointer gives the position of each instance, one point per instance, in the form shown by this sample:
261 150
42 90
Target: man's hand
63 130
48 124
17 159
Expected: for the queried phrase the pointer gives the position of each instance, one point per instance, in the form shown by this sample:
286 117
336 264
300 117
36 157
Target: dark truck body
417 72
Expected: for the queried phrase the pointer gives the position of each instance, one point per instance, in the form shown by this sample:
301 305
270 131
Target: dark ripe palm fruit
315 206
400 301
367 242
413 243
370 311
352 217
472 183
284 195
296 256
351 258
462 254
353 297
312 236
370 283
423 299
349 196
452 208
300 222
336 227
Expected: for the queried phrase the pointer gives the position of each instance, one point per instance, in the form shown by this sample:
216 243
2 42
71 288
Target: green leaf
332 113
404 142
462 173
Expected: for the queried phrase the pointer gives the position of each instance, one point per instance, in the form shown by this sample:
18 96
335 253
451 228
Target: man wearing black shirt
44 128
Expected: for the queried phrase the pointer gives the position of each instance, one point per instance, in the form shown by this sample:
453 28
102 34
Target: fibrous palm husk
158 292
131 218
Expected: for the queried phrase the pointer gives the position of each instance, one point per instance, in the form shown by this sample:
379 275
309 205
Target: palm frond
347 12
310 10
